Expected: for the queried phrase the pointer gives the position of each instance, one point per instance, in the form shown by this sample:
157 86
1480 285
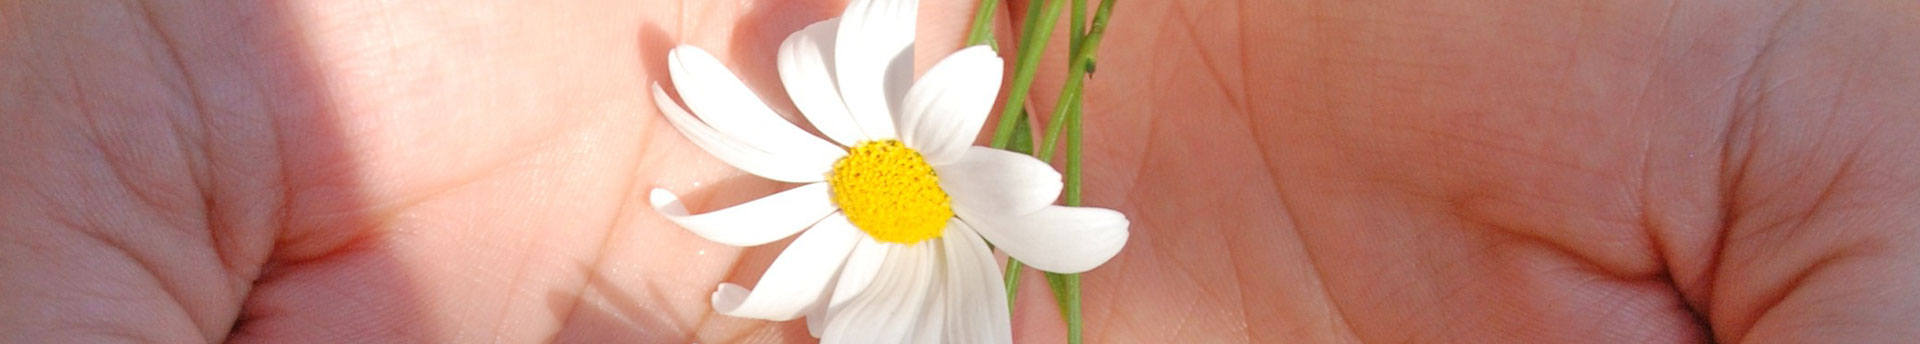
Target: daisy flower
896 206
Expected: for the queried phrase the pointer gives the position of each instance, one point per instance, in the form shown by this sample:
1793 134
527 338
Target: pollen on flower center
889 191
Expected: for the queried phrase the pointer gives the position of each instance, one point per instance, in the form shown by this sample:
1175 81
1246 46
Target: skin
1296 171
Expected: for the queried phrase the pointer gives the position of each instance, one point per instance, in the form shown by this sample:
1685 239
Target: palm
1320 172
1431 179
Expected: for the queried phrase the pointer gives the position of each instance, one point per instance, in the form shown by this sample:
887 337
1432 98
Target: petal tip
728 297
1060 239
658 92
662 198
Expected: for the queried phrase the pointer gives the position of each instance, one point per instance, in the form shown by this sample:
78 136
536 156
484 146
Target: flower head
895 208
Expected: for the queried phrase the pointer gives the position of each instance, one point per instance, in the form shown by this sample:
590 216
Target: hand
1463 172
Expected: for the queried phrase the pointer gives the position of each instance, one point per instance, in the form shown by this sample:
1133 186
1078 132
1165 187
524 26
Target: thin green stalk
1089 47
1066 291
1070 93
1076 76
982 29
1026 24
1079 29
1067 116
1072 173
1035 43
1013 280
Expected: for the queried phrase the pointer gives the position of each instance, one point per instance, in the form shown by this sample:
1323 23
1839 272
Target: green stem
982 29
1013 280
1026 24
1034 44
1067 116
1079 29
1070 93
1089 47
1072 173
1066 292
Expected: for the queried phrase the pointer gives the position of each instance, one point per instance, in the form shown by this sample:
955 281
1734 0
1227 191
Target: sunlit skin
1295 171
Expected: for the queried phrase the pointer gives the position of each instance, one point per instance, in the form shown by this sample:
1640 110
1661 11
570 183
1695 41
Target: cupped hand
1299 171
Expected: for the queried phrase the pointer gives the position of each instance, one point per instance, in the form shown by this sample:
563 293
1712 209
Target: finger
942 30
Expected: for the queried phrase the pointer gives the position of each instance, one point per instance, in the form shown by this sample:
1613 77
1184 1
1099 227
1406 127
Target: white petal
722 101
944 110
873 61
786 168
865 262
999 182
806 68
976 296
816 319
932 324
753 223
1056 238
797 279
885 312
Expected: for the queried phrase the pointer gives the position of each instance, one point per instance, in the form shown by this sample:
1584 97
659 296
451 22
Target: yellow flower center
889 191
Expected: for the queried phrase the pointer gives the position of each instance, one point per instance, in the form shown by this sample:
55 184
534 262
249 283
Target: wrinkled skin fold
1312 171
